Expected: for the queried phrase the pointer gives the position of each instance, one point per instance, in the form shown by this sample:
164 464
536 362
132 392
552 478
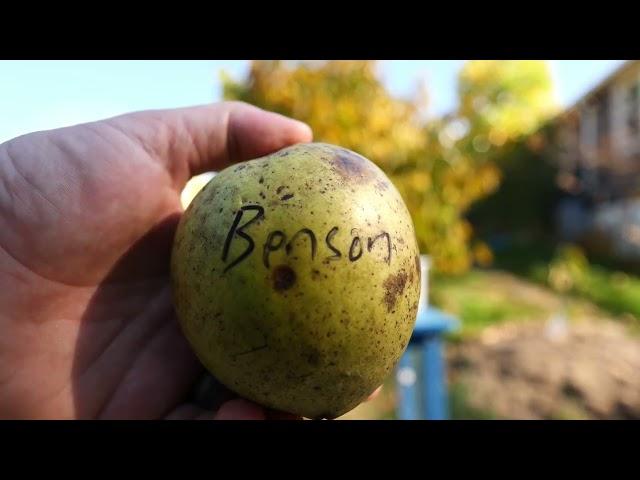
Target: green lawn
460 409
597 280
476 300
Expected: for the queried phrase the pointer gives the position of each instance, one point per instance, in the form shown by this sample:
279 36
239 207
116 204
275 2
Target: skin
290 323
87 219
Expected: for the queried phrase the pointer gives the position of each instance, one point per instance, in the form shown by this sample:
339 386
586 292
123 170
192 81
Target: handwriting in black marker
270 246
336 252
240 232
354 242
312 238
371 242
277 239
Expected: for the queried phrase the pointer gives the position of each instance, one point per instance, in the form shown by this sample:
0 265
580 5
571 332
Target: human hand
87 328
87 218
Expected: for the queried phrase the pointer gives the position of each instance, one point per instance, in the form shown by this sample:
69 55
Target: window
602 109
633 108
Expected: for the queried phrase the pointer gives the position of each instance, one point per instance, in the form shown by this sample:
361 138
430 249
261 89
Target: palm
88 220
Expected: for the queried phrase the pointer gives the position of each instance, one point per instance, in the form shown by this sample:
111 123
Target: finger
186 412
210 394
375 393
205 138
240 409
277 415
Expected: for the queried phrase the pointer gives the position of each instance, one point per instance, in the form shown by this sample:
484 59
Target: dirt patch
589 369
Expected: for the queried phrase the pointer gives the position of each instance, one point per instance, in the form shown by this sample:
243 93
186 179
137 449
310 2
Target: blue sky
39 95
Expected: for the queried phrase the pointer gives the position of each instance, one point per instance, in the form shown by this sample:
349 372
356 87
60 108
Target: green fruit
296 279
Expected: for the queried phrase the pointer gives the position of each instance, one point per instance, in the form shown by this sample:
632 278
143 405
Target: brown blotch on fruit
352 167
394 286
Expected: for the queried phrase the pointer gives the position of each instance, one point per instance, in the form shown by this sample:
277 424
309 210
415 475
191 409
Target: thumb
193 140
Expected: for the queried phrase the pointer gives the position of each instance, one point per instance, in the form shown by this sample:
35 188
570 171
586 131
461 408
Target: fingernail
304 128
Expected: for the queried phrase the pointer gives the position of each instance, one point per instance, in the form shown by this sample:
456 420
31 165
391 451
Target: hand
87 216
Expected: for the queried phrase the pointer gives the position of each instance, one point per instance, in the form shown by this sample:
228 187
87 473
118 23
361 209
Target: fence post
422 387
434 403
406 378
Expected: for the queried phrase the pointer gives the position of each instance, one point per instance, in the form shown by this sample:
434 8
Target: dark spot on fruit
313 358
315 274
351 166
280 188
262 195
287 197
240 167
261 180
418 265
394 286
283 277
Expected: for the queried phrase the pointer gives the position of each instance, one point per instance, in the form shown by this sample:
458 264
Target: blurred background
522 177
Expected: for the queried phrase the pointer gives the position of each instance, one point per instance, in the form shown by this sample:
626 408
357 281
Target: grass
600 281
478 312
460 409
473 300
616 292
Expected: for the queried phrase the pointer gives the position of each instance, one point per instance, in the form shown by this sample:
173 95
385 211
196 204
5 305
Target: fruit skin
293 326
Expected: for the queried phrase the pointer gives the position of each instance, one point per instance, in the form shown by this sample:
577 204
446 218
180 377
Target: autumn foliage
440 166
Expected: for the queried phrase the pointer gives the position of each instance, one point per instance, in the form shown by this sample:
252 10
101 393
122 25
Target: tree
506 106
503 100
343 101
440 167
491 142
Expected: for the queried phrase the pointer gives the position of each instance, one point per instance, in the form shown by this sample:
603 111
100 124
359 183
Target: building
600 139
599 163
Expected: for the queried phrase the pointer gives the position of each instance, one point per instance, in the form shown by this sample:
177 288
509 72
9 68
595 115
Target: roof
621 70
